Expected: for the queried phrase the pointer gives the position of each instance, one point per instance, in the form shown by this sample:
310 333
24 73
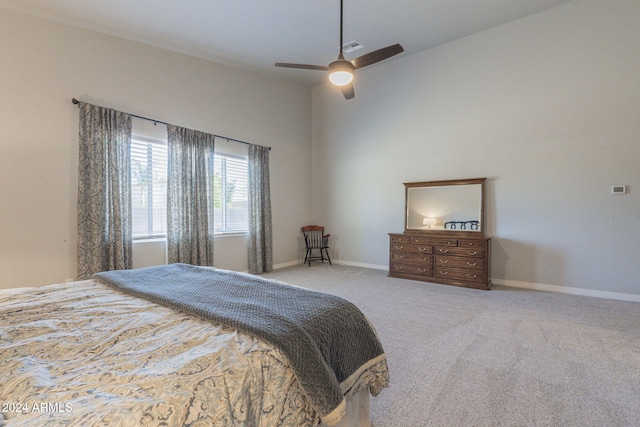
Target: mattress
84 354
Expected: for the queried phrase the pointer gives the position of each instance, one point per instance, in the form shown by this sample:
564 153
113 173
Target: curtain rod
75 102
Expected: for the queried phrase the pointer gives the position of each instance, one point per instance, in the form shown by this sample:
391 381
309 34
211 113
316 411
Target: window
230 194
148 187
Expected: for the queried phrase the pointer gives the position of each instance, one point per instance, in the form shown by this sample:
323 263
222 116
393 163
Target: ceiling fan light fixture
341 78
341 72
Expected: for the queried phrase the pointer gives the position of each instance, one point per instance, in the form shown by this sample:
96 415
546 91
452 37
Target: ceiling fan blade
347 91
377 56
302 66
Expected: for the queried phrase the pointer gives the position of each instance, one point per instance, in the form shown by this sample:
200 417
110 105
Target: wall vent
352 46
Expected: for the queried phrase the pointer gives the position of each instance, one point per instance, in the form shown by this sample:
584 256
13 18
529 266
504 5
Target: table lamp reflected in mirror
428 221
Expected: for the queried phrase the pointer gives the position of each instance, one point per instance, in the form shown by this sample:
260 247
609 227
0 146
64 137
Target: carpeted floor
505 357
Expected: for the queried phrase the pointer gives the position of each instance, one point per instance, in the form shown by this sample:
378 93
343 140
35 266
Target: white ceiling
254 34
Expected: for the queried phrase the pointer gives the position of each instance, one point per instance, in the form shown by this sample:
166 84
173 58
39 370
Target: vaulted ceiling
254 34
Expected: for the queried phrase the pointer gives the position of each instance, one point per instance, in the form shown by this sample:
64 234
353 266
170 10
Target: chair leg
324 254
326 251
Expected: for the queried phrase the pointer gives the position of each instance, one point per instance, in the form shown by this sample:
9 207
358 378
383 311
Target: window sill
164 239
149 239
231 234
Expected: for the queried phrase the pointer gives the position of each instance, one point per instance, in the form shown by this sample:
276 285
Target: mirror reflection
440 207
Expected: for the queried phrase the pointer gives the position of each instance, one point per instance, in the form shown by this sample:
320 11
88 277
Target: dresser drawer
412 257
472 244
410 269
467 252
397 238
423 249
459 262
453 274
434 241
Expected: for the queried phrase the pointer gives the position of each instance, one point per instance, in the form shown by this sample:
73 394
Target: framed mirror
445 207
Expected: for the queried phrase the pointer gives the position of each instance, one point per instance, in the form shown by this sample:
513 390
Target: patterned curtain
104 191
260 237
190 196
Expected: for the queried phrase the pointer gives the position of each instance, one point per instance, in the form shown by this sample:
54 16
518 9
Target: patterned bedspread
82 354
328 341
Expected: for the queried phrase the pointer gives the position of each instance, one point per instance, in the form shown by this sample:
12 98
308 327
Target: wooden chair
315 239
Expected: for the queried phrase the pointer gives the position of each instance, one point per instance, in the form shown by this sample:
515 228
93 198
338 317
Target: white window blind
149 187
230 193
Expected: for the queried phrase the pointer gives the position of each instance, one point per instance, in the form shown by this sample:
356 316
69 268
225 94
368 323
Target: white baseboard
567 290
349 263
502 282
287 264
363 265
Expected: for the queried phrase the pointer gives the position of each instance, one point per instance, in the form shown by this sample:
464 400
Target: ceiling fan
341 71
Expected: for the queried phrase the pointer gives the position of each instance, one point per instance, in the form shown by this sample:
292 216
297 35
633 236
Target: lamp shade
341 72
428 221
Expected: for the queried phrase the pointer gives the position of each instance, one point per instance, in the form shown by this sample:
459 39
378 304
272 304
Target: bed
89 353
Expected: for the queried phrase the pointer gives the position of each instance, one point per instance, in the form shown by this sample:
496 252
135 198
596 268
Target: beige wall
44 64
547 108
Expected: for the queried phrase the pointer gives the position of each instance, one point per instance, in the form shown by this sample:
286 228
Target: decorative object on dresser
443 239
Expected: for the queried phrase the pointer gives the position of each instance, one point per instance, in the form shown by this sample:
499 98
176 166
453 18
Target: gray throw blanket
326 338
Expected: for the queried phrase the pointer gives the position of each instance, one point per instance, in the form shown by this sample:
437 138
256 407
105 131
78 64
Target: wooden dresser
456 259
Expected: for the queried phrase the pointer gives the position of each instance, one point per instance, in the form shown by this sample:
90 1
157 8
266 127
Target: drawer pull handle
398 246
444 261
423 259
444 251
444 273
422 249
472 276
472 253
396 256
422 270
399 267
472 264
